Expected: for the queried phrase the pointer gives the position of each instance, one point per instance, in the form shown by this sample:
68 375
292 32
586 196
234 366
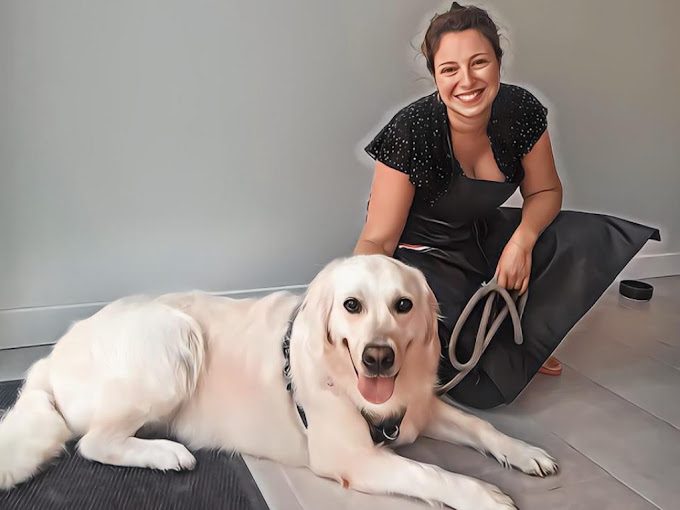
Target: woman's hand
514 266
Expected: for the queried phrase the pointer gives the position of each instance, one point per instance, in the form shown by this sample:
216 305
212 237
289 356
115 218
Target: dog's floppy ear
431 311
311 324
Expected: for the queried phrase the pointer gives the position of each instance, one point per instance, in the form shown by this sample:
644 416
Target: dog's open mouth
375 389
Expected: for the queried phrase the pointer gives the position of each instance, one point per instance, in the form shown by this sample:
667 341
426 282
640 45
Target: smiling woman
444 165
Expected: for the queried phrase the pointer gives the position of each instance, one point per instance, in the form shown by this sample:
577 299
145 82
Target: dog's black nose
377 359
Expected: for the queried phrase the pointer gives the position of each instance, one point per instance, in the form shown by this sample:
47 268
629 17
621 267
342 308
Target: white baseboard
652 266
43 325
14 363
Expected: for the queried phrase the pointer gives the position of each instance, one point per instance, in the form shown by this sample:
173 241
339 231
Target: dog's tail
33 431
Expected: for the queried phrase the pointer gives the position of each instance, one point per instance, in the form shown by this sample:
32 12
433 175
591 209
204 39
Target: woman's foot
552 366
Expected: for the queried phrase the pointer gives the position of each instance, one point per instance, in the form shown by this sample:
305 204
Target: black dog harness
385 432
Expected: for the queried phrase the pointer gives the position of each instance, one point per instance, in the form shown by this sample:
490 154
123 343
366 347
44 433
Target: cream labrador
326 381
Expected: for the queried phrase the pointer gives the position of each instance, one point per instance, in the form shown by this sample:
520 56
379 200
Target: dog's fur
210 368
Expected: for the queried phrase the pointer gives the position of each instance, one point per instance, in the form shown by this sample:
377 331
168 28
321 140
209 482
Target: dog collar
384 433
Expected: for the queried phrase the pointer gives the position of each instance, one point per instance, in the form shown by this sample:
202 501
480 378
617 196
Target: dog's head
371 323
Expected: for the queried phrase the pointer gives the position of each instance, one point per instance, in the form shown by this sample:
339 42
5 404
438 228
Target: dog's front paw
492 498
529 459
168 455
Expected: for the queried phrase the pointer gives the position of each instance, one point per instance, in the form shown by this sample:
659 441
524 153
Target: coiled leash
514 305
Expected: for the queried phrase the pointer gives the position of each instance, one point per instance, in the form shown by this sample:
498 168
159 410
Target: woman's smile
471 97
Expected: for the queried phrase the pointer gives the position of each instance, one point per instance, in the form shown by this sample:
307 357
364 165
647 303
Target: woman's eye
404 305
479 63
352 305
448 70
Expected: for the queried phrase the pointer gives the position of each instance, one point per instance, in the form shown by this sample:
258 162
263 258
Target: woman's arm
391 197
542 192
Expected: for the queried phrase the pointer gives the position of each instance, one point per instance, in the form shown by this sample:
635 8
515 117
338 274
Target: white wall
157 145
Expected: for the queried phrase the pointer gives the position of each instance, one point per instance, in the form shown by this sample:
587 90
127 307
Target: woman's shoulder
420 111
414 128
514 101
518 119
412 143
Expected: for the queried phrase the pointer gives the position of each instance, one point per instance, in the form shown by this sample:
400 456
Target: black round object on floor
635 289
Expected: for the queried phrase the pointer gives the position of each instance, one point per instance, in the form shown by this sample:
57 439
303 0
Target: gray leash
514 305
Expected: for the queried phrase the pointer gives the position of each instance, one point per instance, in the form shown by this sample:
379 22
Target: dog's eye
404 305
352 305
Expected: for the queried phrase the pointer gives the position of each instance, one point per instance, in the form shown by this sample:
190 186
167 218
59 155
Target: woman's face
466 72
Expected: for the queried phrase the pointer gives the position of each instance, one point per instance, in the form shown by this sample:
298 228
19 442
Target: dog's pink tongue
376 389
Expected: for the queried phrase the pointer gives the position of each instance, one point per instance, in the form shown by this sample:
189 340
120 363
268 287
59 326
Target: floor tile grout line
593 460
535 423
612 475
285 477
647 356
291 487
621 397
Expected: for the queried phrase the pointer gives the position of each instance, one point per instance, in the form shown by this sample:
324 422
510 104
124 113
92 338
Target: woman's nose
466 79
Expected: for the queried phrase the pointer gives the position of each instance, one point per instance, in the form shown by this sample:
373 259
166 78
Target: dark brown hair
457 19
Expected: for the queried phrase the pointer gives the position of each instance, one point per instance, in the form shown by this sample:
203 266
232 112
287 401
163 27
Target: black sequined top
416 140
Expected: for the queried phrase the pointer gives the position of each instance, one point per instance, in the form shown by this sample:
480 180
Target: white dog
363 353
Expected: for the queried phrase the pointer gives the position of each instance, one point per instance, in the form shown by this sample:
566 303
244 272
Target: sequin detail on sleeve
414 143
531 121
517 121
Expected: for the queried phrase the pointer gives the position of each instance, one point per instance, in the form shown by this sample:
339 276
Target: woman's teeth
469 96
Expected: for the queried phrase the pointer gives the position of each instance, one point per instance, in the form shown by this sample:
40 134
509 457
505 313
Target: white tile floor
612 420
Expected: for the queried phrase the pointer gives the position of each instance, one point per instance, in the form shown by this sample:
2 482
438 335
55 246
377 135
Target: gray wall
150 146
608 70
